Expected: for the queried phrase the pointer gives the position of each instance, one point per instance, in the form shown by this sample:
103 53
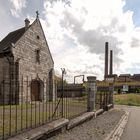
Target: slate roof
12 37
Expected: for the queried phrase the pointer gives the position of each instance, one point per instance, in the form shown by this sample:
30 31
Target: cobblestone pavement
95 129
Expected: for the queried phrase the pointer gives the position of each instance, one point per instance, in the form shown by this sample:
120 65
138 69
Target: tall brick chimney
106 60
111 63
27 23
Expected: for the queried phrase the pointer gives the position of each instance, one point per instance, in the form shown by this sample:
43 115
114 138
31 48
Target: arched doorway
37 90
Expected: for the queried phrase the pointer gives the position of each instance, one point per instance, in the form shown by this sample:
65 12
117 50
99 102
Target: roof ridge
16 30
12 37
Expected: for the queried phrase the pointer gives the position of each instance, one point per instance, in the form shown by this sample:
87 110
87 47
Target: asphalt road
132 130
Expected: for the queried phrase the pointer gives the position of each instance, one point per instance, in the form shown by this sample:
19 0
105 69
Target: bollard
91 86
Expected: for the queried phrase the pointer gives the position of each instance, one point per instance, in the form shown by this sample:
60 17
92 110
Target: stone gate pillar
111 91
91 86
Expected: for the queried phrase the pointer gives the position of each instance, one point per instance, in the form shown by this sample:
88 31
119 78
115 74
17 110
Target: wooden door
35 90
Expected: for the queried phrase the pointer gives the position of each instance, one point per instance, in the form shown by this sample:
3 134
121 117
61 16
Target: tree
59 81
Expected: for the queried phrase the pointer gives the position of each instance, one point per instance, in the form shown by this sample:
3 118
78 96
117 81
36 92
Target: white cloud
17 6
77 34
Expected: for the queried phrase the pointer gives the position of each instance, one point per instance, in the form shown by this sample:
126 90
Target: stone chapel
26 65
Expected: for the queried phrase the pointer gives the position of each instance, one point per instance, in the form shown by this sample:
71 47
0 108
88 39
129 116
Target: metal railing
27 103
24 107
102 100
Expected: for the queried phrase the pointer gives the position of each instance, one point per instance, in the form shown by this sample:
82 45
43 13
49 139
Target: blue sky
134 5
76 34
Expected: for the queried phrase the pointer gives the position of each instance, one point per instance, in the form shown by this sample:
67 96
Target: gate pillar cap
91 78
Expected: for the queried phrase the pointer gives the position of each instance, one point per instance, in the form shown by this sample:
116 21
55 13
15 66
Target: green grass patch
18 117
127 99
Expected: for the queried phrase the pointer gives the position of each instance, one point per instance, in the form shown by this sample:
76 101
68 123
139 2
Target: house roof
12 37
125 75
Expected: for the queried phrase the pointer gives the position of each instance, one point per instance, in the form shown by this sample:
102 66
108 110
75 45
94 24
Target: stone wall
4 80
25 53
71 90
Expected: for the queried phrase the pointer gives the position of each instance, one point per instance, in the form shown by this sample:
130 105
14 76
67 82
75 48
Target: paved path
95 129
132 130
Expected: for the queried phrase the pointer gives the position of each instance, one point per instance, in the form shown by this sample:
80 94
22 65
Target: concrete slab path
132 130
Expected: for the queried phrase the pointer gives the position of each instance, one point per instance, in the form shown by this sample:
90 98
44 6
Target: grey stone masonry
111 91
32 63
91 92
25 51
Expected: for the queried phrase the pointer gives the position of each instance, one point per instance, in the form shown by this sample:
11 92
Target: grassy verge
127 99
16 118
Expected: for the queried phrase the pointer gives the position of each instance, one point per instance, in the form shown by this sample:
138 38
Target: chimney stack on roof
27 23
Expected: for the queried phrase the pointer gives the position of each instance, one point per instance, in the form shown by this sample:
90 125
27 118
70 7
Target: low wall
71 90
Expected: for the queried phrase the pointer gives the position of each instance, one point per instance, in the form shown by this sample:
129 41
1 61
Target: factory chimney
106 60
111 63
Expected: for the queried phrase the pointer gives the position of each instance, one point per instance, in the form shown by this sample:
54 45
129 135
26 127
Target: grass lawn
24 116
127 99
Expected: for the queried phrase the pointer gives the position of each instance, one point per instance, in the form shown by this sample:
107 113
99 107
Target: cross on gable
37 14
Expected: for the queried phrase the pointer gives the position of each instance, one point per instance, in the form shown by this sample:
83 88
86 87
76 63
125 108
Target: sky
77 30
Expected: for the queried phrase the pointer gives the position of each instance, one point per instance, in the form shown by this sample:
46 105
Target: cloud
8 23
94 39
134 68
135 42
77 30
67 2
87 25
17 6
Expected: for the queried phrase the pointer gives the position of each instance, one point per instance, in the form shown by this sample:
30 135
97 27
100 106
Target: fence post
91 86
111 91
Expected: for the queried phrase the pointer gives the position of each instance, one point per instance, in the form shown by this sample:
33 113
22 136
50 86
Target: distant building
136 77
25 53
124 78
128 78
109 65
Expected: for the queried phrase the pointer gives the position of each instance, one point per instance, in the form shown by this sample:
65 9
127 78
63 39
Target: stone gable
30 69
25 50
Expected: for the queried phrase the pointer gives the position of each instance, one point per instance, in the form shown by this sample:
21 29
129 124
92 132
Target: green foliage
85 84
59 81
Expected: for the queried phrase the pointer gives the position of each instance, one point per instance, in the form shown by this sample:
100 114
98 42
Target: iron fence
103 99
27 102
